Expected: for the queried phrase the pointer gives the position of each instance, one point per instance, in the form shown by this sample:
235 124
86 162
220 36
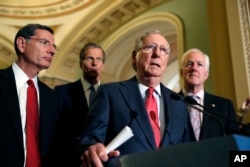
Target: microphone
176 96
192 101
188 100
133 115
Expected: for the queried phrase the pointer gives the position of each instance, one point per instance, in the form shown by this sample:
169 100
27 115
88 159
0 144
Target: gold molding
245 29
44 11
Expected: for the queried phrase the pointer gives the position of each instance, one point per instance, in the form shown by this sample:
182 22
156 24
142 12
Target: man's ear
207 74
181 72
133 59
21 43
103 66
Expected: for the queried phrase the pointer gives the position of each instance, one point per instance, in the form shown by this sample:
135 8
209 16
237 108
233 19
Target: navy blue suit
111 112
11 136
74 110
211 127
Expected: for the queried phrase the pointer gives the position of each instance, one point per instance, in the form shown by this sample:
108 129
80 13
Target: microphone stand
209 114
192 101
188 100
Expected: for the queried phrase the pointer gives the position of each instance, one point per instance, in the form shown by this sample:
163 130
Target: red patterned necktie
151 106
195 119
32 127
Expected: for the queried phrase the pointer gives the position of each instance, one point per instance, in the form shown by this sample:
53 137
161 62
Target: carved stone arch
120 43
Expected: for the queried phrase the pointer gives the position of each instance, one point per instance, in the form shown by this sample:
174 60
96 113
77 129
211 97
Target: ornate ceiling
112 23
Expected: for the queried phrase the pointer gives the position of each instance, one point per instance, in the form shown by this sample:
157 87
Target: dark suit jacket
111 112
212 127
11 137
74 110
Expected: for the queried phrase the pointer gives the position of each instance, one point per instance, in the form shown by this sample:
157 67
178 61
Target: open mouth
154 64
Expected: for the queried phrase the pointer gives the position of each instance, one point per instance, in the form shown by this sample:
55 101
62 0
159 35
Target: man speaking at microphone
194 72
160 121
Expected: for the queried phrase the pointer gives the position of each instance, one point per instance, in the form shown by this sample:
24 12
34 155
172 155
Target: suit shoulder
216 97
117 83
68 85
45 88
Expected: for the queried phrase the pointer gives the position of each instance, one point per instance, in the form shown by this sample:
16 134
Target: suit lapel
47 116
192 135
135 103
78 96
11 101
210 107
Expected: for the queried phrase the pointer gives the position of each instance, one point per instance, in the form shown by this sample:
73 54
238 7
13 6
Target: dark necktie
32 127
91 94
195 119
151 106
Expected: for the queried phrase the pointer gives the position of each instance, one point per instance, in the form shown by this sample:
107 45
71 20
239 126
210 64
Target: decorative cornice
245 28
44 11
109 23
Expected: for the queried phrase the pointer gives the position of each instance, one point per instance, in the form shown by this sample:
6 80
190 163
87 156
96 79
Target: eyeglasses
150 48
45 43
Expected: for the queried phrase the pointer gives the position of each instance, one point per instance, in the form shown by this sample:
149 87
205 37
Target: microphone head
175 96
133 114
190 100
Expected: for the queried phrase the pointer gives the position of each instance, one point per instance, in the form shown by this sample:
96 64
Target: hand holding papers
122 137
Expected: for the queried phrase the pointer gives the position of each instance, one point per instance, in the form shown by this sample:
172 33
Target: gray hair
207 61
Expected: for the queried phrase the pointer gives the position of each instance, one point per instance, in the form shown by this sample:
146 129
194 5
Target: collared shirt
21 85
157 94
86 87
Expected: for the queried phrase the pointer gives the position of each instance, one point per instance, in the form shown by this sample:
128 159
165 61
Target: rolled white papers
125 134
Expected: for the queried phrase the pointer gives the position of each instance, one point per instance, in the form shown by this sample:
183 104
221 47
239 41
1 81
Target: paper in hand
122 137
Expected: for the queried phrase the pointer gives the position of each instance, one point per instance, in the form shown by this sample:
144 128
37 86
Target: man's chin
92 74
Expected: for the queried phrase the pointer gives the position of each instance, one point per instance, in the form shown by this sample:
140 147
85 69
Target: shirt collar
86 84
144 88
199 94
21 77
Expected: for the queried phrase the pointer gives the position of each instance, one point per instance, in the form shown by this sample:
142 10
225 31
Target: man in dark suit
35 48
117 104
194 72
75 99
